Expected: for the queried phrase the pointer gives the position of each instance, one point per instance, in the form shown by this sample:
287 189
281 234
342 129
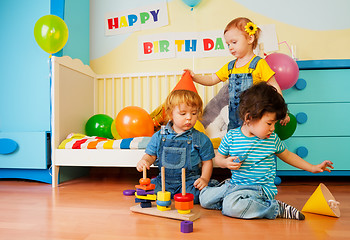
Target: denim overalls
175 154
237 84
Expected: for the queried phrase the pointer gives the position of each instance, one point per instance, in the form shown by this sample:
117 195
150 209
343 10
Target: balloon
51 33
158 117
191 3
99 125
134 121
114 131
286 69
199 126
286 131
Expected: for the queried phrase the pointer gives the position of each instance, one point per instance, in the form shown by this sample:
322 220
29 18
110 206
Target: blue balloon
191 3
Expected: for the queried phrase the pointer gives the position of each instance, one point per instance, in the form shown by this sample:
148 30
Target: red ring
183 198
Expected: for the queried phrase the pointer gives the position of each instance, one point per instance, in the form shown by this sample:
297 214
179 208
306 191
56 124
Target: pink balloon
286 69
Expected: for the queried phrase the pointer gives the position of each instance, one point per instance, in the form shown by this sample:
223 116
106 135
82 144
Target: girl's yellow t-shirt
262 72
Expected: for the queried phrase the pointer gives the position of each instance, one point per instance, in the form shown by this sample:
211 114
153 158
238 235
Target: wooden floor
95 208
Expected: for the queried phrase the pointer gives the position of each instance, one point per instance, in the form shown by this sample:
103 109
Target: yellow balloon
199 126
51 33
114 131
158 117
216 142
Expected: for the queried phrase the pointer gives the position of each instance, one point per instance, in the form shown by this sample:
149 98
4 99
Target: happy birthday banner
152 16
196 44
182 45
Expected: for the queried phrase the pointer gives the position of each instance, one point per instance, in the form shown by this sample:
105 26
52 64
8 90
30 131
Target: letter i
155 46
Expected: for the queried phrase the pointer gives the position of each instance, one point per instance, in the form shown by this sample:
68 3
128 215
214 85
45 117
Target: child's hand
286 120
231 164
324 166
141 164
190 71
200 183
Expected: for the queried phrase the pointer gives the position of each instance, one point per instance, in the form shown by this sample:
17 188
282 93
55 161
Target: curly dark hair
259 99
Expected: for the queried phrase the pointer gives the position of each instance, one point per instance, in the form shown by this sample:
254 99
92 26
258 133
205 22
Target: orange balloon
134 121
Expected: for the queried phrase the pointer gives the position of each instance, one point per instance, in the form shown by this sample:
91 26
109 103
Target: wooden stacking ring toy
145 191
163 197
183 201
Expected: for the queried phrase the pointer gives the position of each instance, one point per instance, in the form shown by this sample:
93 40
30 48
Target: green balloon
288 130
99 125
51 33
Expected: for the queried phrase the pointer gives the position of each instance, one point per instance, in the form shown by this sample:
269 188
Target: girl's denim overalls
175 154
237 84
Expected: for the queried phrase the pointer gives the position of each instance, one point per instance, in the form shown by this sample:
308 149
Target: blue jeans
239 201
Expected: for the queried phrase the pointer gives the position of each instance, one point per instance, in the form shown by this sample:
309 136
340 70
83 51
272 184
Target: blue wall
23 61
77 16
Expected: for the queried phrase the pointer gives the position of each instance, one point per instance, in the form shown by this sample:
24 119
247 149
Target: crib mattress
81 141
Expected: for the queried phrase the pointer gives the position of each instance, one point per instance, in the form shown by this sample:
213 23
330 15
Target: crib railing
145 90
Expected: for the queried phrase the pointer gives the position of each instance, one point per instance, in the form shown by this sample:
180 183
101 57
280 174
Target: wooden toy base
168 214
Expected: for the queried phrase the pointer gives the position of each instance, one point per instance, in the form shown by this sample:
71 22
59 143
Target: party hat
186 83
322 202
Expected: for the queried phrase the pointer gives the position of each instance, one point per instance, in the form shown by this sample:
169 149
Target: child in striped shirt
248 151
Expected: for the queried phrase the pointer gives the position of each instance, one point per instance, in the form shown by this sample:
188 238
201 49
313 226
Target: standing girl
241 36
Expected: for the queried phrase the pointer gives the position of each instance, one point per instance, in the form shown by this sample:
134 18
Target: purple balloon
286 69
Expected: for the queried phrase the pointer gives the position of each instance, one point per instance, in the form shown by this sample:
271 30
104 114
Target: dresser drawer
31 152
327 119
321 86
317 149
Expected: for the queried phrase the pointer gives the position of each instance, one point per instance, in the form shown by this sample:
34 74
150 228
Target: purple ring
129 192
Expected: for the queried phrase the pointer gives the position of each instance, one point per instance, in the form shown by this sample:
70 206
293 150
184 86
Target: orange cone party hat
186 83
322 202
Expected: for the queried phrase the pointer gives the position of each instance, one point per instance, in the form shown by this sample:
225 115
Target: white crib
78 93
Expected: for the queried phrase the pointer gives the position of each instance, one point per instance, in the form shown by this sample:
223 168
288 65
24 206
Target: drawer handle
7 146
302 152
301 117
300 84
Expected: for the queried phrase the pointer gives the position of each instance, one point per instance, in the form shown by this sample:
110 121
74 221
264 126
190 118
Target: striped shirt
259 168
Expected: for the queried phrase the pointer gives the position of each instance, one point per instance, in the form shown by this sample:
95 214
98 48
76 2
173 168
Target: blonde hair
240 24
177 97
